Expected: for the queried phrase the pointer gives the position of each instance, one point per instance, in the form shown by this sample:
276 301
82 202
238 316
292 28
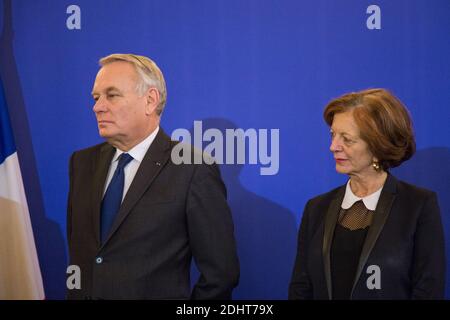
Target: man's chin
104 133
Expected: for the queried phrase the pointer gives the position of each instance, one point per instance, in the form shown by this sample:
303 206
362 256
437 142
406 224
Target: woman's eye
347 140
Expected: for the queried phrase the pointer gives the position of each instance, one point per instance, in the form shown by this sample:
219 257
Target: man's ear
152 97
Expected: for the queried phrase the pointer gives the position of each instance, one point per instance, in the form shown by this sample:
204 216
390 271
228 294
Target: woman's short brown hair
384 123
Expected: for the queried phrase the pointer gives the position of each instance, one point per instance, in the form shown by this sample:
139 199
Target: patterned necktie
113 196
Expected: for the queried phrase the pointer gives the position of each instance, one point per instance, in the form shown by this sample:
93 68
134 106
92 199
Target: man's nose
99 105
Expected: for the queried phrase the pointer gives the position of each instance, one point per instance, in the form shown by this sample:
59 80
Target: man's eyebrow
109 89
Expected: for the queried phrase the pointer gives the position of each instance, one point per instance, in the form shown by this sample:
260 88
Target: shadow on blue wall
265 233
47 233
430 168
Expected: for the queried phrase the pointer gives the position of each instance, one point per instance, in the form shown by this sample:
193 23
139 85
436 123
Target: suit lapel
330 224
101 166
154 160
381 214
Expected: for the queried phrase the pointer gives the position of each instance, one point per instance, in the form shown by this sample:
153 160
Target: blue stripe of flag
7 146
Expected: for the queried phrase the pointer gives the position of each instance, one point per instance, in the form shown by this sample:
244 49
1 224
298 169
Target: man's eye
95 99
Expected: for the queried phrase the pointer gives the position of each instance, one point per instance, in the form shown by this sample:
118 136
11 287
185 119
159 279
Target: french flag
20 275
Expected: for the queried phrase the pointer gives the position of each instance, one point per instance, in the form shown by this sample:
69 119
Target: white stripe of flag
20 274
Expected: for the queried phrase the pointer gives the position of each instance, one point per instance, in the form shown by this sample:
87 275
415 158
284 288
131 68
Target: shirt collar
369 201
138 151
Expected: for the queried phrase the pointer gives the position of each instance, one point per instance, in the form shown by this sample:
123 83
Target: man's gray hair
149 73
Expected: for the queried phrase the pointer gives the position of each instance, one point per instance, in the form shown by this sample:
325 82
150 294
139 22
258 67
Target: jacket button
98 260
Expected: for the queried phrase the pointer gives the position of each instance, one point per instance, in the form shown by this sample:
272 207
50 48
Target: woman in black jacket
375 237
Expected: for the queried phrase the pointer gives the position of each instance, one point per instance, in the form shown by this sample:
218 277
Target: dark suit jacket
405 241
170 214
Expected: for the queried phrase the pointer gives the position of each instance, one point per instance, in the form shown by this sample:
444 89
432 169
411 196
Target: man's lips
104 122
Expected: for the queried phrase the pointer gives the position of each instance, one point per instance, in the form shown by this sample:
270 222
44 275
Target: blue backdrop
232 64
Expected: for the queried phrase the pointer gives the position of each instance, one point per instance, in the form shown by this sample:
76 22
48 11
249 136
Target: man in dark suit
135 219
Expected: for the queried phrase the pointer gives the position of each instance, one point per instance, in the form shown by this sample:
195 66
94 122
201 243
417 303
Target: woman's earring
376 165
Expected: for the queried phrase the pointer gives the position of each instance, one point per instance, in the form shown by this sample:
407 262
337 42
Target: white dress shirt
137 152
369 201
